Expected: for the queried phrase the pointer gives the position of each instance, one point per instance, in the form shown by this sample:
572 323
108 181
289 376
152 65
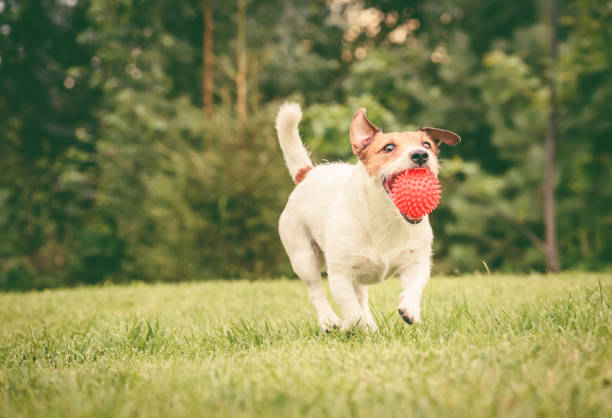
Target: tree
552 250
208 61
50 233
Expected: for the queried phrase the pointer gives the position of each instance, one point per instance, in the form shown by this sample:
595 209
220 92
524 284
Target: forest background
137 138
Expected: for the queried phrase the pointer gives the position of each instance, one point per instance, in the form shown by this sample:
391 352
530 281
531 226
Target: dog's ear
441 135
362 131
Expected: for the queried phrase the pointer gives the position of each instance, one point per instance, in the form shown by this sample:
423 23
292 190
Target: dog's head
385 155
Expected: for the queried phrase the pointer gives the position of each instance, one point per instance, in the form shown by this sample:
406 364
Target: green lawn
497 345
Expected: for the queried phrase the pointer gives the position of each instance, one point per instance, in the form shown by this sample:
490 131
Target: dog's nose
419 156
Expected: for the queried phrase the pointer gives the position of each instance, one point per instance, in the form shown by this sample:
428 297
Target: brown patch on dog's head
376 149
385 148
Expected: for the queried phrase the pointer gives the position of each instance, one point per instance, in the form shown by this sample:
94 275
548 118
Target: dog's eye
388 148
427 145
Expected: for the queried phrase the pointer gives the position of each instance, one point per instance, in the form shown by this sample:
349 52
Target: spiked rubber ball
415 192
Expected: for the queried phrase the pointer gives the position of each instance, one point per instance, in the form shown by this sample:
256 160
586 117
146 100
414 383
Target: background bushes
112 169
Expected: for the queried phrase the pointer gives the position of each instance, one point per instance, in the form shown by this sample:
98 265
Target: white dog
341 215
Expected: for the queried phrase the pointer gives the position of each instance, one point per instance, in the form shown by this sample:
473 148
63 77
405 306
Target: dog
341 216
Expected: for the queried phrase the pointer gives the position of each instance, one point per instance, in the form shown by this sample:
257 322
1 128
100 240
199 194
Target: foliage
254 349
111 171
50 234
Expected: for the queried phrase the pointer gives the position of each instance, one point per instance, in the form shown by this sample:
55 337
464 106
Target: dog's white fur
341 216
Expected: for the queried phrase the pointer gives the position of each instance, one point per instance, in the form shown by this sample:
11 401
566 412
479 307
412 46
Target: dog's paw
330 322
410 315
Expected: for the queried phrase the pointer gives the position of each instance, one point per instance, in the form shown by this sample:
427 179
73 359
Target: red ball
415 192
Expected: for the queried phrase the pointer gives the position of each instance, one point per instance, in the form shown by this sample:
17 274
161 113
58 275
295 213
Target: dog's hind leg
306 263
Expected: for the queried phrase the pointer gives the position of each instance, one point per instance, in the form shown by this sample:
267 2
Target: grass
496 345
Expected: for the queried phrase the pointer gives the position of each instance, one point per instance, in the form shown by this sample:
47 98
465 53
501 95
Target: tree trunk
208 60
241 57
552 250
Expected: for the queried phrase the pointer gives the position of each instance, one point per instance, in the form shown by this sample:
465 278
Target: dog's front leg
413 280
343 291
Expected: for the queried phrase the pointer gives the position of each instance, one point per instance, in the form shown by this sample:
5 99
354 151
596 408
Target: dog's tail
296 156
